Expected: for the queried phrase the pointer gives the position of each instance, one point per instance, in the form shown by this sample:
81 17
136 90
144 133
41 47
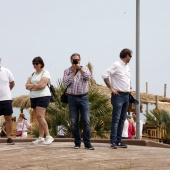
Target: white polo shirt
119 74
5 78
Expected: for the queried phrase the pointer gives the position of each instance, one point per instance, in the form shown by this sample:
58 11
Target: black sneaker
113 146
121 145
10 141
77 146
89 146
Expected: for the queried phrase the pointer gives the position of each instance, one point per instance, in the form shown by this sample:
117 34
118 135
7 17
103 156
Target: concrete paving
61 156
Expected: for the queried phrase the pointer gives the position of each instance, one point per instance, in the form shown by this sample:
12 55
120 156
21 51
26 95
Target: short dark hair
125 52
75 54
38 60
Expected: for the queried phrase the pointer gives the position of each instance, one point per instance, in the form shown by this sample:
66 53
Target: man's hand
78 67
115 92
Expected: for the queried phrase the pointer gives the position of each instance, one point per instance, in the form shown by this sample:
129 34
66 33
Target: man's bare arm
108 84
11 85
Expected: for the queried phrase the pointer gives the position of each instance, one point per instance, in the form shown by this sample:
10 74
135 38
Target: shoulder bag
52 91
64 96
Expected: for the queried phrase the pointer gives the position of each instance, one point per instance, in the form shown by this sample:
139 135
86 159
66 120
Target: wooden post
147 93
156 100
146 87
164 90
158 129
158 133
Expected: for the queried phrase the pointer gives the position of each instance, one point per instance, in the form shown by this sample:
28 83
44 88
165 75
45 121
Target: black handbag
64 97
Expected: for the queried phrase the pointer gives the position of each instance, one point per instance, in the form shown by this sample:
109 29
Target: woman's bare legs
40 115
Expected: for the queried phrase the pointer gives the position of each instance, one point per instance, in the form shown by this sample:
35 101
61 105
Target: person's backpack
52 90
53 94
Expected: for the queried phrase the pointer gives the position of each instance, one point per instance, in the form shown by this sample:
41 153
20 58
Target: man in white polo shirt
6 85
117 78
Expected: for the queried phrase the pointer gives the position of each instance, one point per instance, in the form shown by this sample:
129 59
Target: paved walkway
62 156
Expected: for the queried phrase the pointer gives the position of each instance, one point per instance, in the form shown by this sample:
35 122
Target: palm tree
100 111
58 113
166 125
161 120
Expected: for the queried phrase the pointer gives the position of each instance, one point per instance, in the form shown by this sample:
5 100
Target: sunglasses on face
35 64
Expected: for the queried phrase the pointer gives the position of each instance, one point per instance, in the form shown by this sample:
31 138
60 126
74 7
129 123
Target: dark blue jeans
80 105
119 114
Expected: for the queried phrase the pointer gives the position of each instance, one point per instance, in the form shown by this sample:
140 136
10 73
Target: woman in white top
23 125
40 98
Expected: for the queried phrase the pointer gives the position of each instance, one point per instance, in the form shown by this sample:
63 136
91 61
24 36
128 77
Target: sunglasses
35 63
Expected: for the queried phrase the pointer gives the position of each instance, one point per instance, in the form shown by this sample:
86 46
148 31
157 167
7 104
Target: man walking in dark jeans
6 85
117 78
76 79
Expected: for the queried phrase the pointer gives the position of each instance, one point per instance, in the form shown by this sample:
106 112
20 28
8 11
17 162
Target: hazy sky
97 29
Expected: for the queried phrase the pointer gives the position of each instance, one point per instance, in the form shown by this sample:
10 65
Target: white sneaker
48 140
40 140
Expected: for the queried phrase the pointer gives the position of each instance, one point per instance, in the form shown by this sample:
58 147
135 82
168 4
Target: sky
96 29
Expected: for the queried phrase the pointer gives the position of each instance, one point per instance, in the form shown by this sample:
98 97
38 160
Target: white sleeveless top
35 78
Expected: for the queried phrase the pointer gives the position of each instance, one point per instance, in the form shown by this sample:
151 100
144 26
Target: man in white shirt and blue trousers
117 78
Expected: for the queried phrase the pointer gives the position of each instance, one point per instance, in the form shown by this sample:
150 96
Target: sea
16 112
